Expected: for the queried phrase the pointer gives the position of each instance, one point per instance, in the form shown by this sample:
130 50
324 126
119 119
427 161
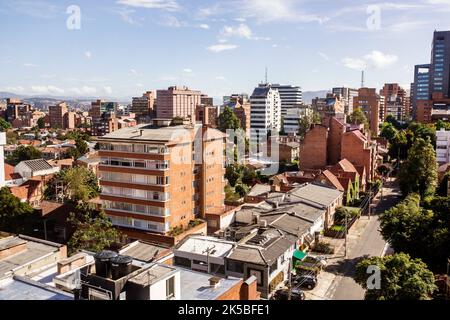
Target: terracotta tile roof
25 191
10 174
333 180
346 166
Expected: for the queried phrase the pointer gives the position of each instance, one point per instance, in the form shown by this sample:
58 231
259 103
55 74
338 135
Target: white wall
158 289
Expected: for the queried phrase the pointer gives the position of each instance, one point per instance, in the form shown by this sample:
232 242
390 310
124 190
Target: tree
421 232
305 122
233 174
15 216
443 185
12 137
440 124
93 232
389 132
422 131
358 117
23 153
402 278
242 189
79 184
228 120
4 125
81 146
41 123
419 172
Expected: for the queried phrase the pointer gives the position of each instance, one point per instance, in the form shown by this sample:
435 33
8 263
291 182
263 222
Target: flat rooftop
199 245
151 133
153 274
18 288
195 285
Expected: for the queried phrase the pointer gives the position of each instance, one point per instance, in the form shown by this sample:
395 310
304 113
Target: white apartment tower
442 146
265 112
290 96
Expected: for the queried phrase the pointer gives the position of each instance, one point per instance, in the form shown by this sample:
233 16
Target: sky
122 48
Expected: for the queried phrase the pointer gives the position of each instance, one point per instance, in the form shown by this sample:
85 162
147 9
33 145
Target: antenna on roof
266 76
362 79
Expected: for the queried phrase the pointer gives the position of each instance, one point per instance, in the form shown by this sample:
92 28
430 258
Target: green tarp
300 255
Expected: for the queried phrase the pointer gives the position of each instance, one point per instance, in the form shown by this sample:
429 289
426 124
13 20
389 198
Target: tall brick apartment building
372 104
177 102
326 145
154 179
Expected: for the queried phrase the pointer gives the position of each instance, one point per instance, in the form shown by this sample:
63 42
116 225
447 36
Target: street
364 239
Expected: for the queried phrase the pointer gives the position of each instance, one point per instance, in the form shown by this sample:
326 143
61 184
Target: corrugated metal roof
38 165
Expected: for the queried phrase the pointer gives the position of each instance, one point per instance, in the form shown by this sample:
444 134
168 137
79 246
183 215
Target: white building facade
265 112
293 116
290 96
443 146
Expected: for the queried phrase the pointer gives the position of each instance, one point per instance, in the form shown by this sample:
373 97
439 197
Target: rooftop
200 245
195 285
316 193
19 288
152 274
144 251
37 165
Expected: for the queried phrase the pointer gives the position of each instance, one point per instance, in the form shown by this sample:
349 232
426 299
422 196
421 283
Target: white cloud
85 90
222 47
140 85
408 26
39 89
168 5
375 59
13 89
356 64
168 78
380 60
324 56
30 65
133 72
274 45
126 15
88 54
108 90
187 70
203 26
172 22
279 10
222 78
241 31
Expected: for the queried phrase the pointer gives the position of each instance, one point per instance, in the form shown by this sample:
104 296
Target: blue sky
124 47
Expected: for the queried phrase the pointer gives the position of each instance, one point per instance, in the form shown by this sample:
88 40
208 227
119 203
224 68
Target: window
170 288
235 266
183 262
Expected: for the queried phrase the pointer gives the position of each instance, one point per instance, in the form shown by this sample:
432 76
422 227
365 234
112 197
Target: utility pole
346 233
290 279
207 251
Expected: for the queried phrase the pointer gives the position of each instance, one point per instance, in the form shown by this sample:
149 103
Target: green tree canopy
228 120
233 174
402 278
15 216
79 184
358 117
41 123
4 125
93 231
23 153
420 232
419 172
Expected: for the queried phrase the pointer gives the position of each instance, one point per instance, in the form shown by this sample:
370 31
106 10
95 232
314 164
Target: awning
300 255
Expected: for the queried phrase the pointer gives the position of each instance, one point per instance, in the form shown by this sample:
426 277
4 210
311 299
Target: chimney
215 282
140 132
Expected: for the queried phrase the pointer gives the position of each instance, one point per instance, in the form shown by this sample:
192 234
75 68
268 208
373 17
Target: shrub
324 247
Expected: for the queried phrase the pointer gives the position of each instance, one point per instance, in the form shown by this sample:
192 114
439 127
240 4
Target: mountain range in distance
49 99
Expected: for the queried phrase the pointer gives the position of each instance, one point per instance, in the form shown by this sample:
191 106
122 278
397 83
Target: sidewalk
327 278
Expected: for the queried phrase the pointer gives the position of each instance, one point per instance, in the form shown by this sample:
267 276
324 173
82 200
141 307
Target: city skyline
123 48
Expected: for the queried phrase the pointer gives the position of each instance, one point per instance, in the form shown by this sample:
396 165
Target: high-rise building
157 179
347 96
16 109
290 96
331 106
432 82
442 146
265 112
57 115
370 103
177 102
394 101
144 107
291 122
99 107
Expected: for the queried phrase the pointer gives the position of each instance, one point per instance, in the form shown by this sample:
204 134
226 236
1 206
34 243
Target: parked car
305 281
283 294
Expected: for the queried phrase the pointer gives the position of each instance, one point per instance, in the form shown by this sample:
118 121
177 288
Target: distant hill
309 95
49 99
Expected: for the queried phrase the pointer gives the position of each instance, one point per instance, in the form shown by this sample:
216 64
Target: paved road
370 242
